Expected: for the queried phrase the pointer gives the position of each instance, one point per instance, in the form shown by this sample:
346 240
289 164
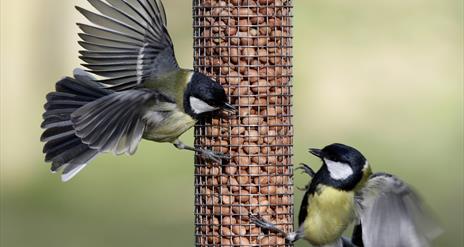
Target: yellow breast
329 213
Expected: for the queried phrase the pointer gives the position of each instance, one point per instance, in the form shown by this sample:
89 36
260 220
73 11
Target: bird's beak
228 108
316 152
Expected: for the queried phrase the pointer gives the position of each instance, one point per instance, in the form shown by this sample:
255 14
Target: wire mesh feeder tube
246 45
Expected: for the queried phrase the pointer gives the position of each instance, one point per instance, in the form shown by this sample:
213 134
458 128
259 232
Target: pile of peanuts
246 46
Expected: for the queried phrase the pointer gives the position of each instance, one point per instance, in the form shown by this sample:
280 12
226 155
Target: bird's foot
213 156
306 169
266 225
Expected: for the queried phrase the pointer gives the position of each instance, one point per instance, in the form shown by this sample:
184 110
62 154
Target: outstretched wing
392 214
128 43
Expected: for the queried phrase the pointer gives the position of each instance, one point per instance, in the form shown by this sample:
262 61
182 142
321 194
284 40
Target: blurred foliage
384 76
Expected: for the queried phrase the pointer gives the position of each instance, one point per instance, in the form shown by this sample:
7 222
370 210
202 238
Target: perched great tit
143 94
385 210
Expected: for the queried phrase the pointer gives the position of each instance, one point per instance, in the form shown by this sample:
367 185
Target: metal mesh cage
246 45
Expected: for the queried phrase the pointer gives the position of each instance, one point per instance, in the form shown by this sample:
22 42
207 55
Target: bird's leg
289 237
308 170
267 225
205 153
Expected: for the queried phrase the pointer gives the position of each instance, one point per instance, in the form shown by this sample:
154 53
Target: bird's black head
203 96
344 166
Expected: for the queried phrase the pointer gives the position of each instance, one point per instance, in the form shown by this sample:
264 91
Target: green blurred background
384 76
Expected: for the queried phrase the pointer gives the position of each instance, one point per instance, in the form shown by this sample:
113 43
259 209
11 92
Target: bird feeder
246 46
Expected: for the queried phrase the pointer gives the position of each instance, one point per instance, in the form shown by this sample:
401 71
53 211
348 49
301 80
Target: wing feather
114 123
126 32
109 34
392 214
105 47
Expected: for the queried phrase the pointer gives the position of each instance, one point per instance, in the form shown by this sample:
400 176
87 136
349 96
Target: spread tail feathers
63 148
83 119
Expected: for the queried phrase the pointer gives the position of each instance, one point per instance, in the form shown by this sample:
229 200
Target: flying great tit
143 94
385 210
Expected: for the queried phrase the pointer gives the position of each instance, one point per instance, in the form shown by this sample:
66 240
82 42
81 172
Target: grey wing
128 43
115 123
392 214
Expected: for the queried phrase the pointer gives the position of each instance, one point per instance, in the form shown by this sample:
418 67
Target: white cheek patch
338 170
199 106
